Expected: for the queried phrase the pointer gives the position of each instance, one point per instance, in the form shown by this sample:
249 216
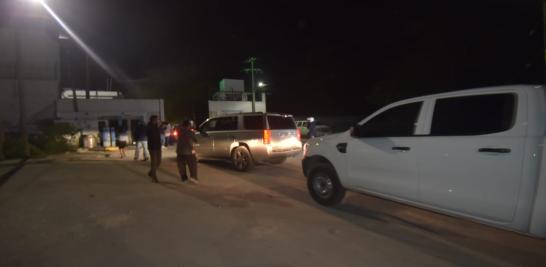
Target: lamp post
252 71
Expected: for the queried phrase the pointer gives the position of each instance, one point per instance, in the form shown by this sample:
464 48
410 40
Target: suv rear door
472 160
284 133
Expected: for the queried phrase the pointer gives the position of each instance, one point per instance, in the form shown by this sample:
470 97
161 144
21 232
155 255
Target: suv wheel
324 186
241 159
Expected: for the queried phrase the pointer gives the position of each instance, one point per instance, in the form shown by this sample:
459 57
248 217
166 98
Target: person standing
312 127
154 146
185 152
141 141
162 135
123 139
168 130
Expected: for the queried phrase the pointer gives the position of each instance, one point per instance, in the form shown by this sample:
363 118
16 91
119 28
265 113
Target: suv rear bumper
266 153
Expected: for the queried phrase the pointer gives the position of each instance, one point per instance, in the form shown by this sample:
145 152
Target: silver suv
249 138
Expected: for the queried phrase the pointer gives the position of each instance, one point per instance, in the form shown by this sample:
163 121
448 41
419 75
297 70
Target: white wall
226 107
92 108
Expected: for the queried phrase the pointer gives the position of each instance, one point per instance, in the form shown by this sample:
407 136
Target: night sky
319 57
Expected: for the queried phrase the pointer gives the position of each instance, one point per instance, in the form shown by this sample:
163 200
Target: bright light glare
261 84
77 39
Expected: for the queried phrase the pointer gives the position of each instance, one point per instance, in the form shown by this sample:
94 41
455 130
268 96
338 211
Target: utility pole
252 71
21 93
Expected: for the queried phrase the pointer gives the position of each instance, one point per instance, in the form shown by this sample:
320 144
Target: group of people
150 139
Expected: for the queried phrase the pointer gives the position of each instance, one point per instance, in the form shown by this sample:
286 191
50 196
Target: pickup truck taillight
298 134
267 137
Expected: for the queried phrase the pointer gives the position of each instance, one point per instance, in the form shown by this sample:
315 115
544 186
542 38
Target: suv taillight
267 137
298 134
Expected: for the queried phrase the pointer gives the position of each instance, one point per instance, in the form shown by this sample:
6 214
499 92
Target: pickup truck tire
241 159
324 186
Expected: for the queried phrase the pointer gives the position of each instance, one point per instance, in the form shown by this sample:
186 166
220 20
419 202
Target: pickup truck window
473 115
396 121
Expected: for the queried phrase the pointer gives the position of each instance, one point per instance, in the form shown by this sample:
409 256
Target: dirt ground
87 209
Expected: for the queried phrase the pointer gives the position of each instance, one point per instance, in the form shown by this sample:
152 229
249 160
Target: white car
475 153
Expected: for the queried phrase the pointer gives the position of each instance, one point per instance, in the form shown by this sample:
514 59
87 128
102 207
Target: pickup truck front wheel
324 186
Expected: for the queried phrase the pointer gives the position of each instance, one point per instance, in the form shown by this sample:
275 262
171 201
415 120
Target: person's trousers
155 156
191 162
141 145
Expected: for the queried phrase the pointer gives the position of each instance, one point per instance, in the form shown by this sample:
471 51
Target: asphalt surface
91 210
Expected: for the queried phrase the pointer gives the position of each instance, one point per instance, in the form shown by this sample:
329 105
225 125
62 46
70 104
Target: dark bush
53 140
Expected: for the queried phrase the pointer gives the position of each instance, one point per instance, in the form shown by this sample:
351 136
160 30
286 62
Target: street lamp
261 84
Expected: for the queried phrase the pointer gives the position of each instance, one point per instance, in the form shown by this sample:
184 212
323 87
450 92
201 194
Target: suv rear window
281 123
253 122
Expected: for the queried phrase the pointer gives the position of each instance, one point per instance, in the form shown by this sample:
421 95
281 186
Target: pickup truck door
471 163
381 155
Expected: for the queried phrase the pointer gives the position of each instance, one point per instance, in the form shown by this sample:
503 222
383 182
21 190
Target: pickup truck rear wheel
241 159
324 186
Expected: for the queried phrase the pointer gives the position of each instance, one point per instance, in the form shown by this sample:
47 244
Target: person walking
123 139
185 152
154 146
141 141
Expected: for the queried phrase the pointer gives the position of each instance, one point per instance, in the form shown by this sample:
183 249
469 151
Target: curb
5 177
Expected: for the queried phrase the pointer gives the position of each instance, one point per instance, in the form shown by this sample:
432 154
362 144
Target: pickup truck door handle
494 150
401 148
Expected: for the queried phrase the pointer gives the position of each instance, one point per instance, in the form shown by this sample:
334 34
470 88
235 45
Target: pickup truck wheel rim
323 185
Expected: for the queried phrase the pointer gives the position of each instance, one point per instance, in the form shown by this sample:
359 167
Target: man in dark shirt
154 145
185 153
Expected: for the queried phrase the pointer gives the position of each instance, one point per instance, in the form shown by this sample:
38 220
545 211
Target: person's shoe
193 181
146 159
154 179
150 174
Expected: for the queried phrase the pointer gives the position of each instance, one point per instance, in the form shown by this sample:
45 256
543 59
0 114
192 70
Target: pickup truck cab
477 154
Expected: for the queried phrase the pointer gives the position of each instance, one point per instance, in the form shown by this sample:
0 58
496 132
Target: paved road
88 210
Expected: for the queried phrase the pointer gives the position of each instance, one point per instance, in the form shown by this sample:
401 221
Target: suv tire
324 186
241 159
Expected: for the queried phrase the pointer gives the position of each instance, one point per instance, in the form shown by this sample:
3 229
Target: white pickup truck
476 153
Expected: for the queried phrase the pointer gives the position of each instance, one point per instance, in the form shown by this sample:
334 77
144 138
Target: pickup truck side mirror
355 131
